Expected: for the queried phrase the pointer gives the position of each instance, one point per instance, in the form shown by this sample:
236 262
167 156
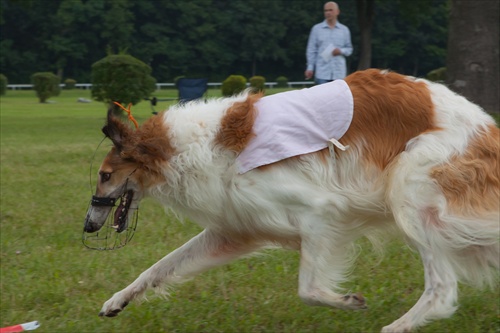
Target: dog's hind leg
449 210
438 299
323 263
452 249
207 250
416 208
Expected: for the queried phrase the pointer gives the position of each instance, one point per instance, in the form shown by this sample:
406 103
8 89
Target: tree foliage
209 38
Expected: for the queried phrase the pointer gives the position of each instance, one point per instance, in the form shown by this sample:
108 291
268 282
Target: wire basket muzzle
110 236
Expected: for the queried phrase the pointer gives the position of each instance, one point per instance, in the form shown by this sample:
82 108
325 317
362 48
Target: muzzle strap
102 201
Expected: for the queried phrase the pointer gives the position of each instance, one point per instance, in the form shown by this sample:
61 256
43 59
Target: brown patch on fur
153 144
237 124
142 152
389 110
471 181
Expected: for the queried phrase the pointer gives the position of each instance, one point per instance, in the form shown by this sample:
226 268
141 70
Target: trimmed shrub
69 84
46 84
437 75
258 83
121 78
282 82
3 84
233 85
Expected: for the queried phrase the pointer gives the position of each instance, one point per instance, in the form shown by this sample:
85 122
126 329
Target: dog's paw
113 306
396 328
354 302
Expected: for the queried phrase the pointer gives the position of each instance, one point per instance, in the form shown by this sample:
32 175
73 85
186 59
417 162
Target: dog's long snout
95 218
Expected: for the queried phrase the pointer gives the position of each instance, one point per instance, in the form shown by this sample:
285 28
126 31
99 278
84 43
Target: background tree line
212 38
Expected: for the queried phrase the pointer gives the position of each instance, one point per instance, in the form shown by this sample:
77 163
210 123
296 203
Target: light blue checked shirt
321 38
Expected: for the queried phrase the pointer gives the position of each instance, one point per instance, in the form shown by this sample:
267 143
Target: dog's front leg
206 250
324 260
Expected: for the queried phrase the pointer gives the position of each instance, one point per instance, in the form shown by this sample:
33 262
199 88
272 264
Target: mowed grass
49 276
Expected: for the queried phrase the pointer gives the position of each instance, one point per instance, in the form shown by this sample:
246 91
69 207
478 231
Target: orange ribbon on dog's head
129 112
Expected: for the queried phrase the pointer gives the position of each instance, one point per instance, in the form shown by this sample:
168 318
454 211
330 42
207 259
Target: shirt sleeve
311 50
346 49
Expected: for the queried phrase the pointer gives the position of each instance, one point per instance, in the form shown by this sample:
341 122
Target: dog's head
132 167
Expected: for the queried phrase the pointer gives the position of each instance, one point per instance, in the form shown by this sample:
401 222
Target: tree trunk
366 13
472 64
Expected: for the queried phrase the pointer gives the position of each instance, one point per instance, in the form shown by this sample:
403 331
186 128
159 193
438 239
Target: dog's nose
89 226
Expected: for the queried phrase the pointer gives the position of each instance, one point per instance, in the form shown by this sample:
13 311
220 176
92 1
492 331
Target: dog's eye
105 177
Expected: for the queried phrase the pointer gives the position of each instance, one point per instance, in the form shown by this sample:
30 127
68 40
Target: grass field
49 276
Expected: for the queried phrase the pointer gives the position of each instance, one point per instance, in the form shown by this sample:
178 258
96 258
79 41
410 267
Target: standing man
328 46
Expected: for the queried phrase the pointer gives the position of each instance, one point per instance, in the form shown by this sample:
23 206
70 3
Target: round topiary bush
282 82
121 78
257 83
233 85
46 84
3 84
69 84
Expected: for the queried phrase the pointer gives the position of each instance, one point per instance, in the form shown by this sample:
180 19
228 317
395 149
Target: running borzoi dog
415 157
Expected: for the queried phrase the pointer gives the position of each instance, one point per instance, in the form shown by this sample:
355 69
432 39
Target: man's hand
336 52
308 74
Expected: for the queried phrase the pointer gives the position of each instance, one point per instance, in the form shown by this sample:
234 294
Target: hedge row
46 84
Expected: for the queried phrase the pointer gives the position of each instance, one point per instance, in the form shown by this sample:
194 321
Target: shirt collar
325 25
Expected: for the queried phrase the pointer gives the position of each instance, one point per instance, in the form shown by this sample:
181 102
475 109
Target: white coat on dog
422 161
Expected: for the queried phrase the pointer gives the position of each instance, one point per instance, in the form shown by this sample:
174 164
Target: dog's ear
115 130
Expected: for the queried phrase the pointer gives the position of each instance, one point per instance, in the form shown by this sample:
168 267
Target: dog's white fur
422 160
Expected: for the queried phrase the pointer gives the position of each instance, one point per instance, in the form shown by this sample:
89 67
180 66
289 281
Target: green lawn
49 276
